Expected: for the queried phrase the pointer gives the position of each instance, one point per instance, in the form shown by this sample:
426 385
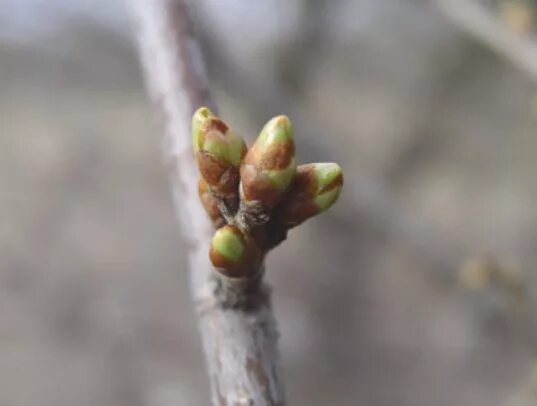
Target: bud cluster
238 186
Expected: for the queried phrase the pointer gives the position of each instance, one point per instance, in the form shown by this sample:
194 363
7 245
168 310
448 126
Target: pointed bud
269 166
315 189
219 152
234 254
210 204
199 117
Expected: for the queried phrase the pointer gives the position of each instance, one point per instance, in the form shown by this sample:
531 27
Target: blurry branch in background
526 393
507 29
507 33
308 40
486 275
240 346
482 272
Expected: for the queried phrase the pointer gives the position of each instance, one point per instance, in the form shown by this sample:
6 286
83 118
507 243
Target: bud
269 166
199 117
234 254
315 189
210 203
219 152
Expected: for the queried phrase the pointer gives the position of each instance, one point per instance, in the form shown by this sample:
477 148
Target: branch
240 345
474 19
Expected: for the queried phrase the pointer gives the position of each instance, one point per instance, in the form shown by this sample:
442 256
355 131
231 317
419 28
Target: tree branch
474 19
240 344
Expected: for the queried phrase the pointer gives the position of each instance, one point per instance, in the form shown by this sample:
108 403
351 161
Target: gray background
437 138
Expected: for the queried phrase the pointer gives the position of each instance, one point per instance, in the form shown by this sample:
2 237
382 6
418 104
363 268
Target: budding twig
274 194
239 341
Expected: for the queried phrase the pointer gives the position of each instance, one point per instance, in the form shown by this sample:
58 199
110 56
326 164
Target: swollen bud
210 204
234 254
315 189
219 152
269 166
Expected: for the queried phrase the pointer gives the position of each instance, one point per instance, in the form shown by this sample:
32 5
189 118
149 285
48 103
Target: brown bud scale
211 168
221 177
274 156
215 124
210 204
257 186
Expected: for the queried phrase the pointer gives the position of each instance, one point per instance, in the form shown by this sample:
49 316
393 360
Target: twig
474 19
240 346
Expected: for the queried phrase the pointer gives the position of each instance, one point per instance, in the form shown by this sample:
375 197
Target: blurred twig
476 20
240 346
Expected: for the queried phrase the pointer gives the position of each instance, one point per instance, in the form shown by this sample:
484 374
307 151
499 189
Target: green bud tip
329 178
199 117
277 130
225 144
326 174
228 244
282 178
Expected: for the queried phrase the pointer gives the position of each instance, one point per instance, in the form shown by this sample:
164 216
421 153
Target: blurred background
418 288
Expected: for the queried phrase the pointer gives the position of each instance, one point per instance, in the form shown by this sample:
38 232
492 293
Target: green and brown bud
210 204
316 187
269 166
234 254
219 152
